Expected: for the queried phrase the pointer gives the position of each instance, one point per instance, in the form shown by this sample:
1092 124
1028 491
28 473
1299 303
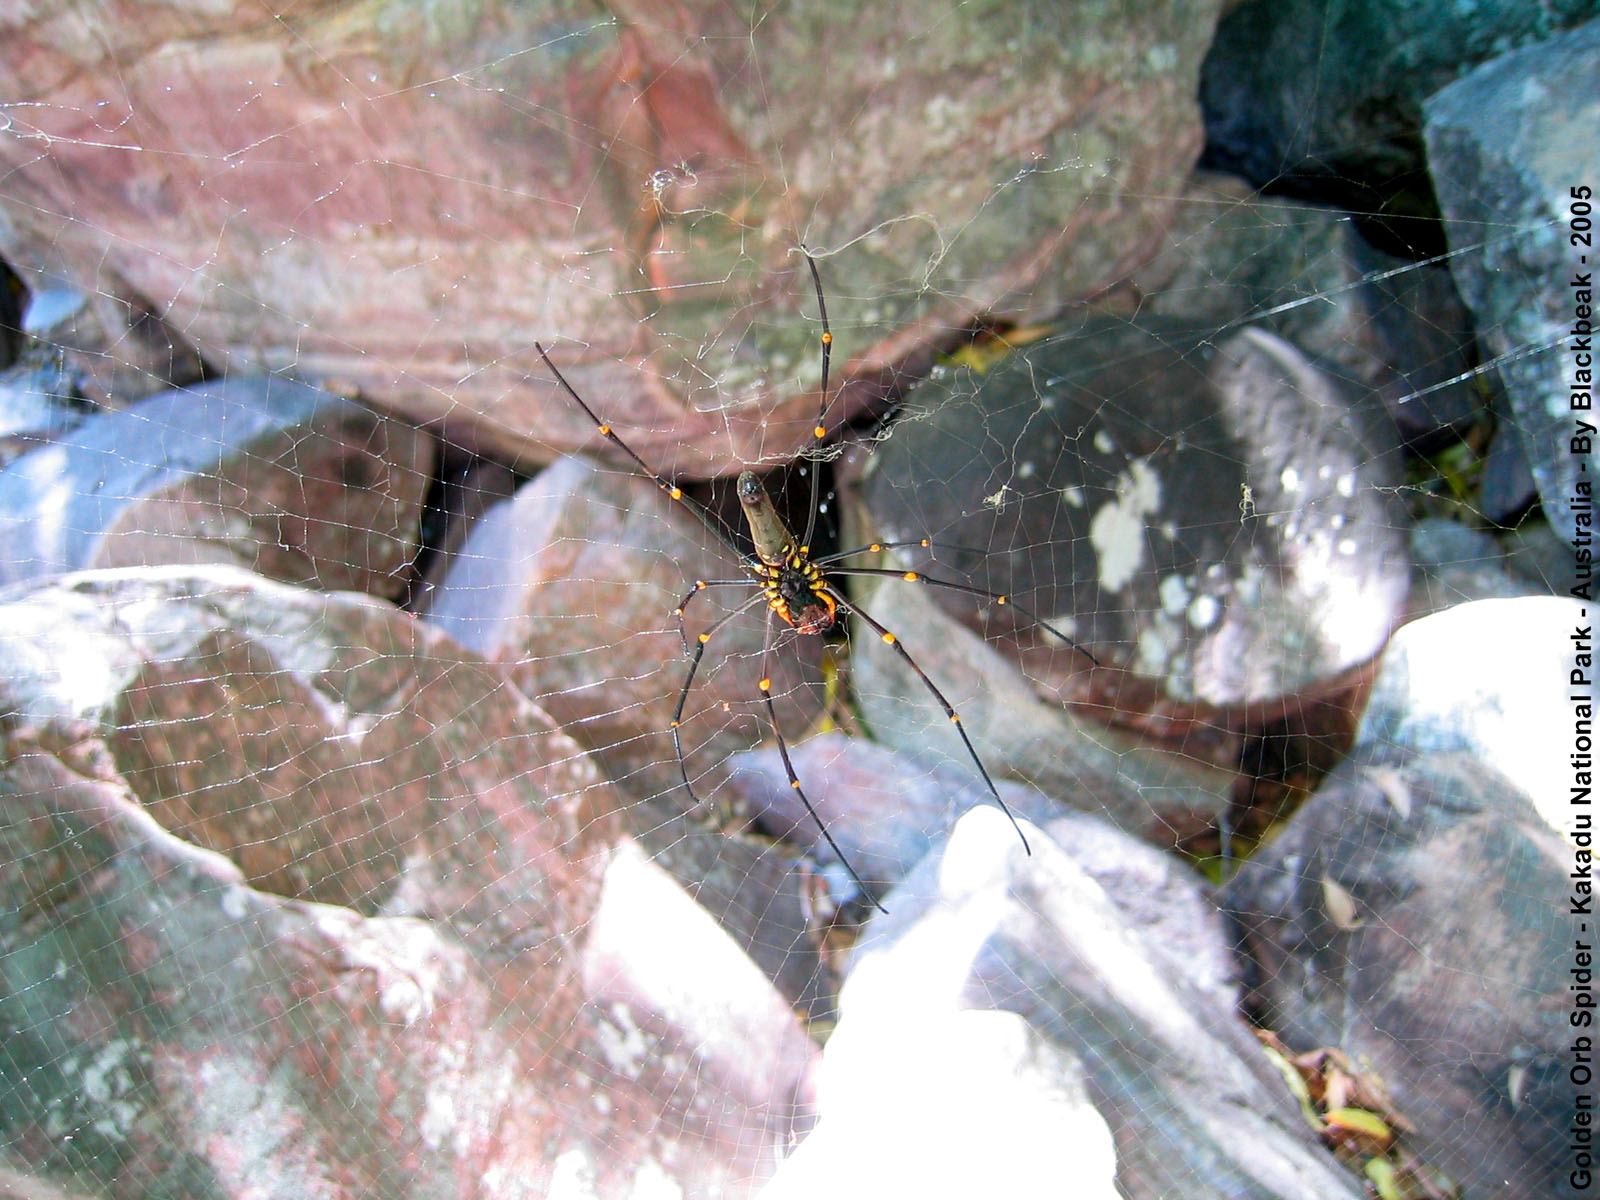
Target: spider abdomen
799 594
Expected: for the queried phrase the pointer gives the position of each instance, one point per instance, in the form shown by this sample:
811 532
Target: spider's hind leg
697 652
891 640
794 782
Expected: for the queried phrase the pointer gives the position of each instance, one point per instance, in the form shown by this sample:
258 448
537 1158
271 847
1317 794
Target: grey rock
257 471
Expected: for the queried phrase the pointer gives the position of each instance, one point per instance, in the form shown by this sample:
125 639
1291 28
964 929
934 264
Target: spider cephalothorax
796 587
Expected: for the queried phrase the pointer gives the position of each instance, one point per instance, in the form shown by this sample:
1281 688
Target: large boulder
407 200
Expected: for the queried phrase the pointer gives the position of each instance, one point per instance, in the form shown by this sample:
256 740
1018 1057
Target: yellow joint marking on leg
818 432
795 784
704 638
888 639
765 685
675 492
954 720
925 543
827 339
910 577
999 599
675 724
605 430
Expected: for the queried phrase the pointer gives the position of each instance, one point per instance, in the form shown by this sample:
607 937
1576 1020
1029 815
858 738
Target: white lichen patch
107 1081
623 1043
107 1073
1204 611
404 957
1117 530
1157 644
438 1118
1175 593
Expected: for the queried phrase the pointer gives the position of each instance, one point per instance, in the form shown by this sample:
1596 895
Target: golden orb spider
799 589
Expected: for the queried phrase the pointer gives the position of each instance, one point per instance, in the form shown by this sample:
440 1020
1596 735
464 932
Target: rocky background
345 847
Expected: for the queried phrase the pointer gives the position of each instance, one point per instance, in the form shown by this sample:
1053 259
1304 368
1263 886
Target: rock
888 808
1217 520
711 1052
405 202
52 310
572 584
1407 916
1508 489
763 895
1504 150
1540 557
465 488
1311 96
324 743
1017 1023
301 899
1457 563
39 402
262 472
1016 732
1304 273
1462 681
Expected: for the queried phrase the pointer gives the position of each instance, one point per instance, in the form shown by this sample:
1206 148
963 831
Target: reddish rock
309 902
405 202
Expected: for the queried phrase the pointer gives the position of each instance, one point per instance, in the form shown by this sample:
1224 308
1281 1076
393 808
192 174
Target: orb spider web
799 589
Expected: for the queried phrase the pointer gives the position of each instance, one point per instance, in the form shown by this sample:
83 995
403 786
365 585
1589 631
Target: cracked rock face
304 900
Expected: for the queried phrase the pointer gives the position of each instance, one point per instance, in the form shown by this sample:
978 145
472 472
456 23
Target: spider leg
964 589
673 491
819 430
696 654
701 585
889 639
794 780
827 560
